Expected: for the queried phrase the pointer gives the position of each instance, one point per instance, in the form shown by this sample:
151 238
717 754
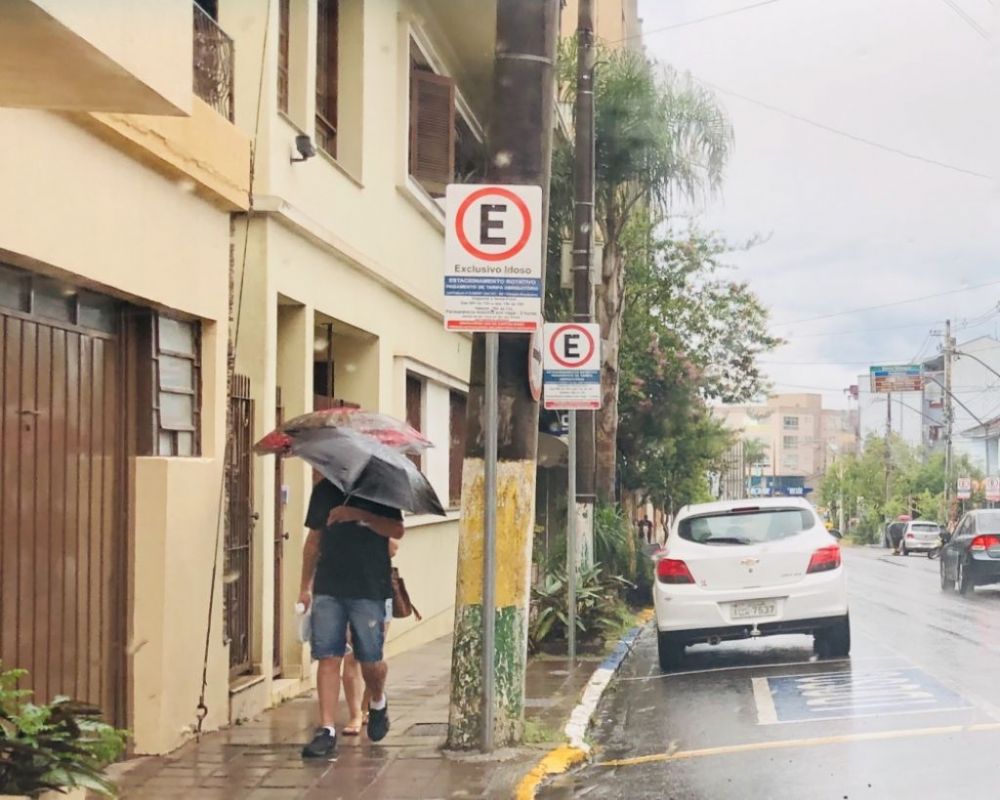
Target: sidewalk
260 760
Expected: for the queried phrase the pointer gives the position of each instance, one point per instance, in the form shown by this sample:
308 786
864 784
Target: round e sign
572 346
490 221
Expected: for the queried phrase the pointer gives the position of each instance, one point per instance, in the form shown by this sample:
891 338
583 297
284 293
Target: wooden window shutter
432 130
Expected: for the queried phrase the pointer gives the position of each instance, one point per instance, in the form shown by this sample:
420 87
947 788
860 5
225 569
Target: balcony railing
213 63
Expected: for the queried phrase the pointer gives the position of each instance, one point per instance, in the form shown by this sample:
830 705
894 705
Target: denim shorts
331 617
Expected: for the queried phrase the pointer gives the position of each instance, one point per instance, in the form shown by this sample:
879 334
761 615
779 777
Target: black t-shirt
353 559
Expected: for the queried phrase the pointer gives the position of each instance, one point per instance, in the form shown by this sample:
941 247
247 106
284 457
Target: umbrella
361 466
388 430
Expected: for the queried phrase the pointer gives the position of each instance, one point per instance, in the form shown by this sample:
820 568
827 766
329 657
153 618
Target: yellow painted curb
555 762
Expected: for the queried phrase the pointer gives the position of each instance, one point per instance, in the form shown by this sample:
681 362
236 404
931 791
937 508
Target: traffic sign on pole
964 488
493 258
572 360
993 488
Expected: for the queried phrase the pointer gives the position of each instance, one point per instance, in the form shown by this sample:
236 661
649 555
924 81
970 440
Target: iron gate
239 528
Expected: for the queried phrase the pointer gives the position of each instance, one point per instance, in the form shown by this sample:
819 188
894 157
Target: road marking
845 694
797 744
762 666
767 714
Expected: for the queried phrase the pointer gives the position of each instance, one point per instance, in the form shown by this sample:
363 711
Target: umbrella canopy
361 466
383 428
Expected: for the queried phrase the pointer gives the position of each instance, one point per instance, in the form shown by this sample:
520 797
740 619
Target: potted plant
53 750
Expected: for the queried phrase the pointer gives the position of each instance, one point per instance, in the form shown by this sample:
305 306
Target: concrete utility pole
949 416
520 141
581 518
888 448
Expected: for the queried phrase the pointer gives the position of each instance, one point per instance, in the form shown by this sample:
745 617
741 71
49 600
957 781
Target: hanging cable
201 710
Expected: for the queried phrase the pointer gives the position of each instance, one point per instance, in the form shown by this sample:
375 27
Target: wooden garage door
62 611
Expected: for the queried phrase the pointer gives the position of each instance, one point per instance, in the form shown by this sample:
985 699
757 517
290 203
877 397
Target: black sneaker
323 745
378 723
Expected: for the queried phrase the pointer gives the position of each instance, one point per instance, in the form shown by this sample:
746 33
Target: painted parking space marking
846 694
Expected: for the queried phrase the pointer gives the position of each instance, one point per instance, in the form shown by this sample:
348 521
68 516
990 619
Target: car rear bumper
915 545
688 607
984 569
746 631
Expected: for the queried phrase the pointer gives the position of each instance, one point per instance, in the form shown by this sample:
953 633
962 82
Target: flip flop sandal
351 731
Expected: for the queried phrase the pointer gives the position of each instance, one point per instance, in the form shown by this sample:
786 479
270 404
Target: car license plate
754 608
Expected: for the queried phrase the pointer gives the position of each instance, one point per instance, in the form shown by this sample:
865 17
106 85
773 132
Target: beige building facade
135 224
796 436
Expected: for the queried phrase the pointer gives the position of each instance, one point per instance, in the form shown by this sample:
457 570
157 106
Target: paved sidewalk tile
260 760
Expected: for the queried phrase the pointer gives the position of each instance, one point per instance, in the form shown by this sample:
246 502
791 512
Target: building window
432 125
284 24
177 382
327 65
791 423
790 442
55 301
790 461
456 446
415 409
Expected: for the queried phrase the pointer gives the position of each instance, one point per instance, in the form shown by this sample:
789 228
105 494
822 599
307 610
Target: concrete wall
74 206
97 55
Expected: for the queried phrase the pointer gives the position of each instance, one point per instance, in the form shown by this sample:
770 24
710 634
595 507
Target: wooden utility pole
582 422
520 149
949 417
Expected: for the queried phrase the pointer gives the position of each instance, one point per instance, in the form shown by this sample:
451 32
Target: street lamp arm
977 359
953 397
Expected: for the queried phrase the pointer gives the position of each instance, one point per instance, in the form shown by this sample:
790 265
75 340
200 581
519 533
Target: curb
576 750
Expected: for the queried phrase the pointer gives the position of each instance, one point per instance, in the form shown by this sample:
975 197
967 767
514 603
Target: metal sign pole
489 540
571 545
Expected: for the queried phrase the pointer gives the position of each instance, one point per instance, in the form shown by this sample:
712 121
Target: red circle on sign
587 336
460 224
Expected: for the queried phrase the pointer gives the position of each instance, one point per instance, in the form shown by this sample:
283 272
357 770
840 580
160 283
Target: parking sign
493 258
572 361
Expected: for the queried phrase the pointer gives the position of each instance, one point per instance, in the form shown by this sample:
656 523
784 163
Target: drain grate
428 729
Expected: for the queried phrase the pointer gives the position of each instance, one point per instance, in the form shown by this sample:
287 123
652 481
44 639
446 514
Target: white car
920 536
746 568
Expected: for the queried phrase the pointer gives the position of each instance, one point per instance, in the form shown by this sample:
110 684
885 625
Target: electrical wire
966 18
890 304
697 21
846 134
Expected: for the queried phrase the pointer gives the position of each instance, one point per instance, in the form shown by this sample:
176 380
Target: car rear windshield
988 522
746 526
925 526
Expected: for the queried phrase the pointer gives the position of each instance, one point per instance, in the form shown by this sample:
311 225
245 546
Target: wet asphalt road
914 714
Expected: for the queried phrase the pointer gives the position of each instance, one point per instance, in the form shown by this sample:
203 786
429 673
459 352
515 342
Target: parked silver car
920 536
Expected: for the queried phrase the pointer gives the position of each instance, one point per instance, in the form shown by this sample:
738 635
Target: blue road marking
845 694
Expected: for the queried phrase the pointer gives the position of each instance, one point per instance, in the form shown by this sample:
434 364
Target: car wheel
946 584
835 641
963 583
671 651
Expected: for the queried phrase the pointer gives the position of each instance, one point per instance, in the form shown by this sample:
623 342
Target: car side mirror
835 533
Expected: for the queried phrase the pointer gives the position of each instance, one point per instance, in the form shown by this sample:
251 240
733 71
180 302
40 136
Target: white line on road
831 662
767 714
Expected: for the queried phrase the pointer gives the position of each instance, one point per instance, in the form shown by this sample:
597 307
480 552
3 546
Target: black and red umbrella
363 453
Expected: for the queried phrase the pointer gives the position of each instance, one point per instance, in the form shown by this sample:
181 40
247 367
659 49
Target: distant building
794 437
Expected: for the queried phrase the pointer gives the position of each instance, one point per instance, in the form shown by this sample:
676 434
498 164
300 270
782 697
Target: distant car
746 568
971 557
920 536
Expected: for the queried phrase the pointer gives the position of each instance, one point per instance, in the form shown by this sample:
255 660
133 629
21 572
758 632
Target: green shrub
58 745
599 609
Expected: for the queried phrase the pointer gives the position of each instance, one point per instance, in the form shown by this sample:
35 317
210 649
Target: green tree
659 137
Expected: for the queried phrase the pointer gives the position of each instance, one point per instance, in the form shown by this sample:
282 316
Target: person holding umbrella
354 511
345 583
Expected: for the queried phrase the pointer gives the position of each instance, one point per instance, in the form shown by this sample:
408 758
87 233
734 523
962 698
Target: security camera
304 147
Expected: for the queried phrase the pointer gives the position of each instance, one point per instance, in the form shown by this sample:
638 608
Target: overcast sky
851 225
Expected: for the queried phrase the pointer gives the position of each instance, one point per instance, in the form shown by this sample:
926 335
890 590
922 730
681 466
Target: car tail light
910 536
824 559
673 570
985 542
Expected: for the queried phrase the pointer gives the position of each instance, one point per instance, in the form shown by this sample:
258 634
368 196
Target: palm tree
660 137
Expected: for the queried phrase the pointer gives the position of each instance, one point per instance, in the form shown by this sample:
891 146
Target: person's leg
328 643
353 687
328 690
367 623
